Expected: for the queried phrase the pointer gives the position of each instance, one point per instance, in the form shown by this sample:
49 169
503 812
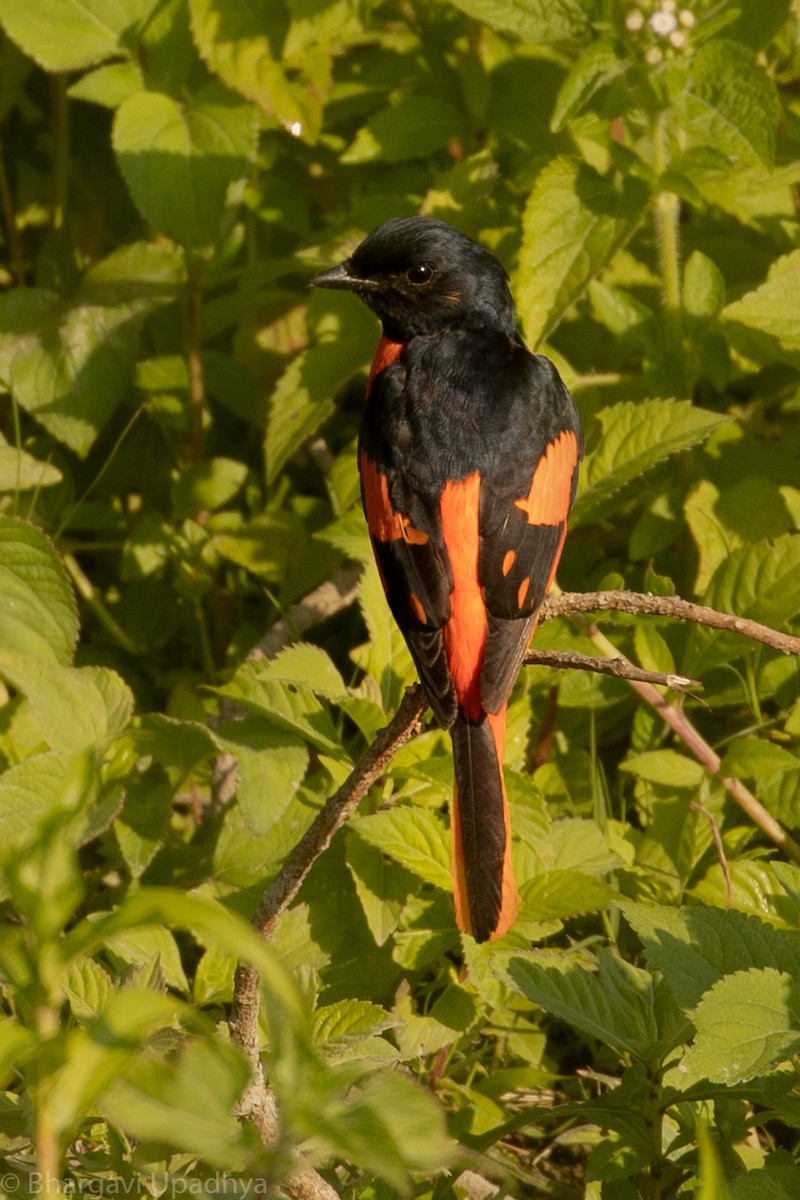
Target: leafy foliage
177 470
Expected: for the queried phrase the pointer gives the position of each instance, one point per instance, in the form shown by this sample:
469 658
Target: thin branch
635 603
719 847
196 373
680 724
567 660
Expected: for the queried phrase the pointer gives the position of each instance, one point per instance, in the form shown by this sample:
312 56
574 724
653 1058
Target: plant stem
667 211
86 591
13 239
194 363
60 151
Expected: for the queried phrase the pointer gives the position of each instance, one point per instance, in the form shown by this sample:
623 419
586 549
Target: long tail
486 897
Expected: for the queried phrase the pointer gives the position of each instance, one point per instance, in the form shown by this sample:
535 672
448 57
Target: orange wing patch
385 523
465 632
548 501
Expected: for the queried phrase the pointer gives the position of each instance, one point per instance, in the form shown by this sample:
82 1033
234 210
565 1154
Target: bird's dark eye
421 274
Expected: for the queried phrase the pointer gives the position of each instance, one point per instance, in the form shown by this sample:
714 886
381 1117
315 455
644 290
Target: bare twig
722 857
680 724
564 660
635 603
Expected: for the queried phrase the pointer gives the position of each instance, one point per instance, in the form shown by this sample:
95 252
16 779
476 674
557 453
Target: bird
468 455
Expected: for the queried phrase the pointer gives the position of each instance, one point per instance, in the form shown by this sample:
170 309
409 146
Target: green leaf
540 22
272 765
573 223
38 616
21 472
729 102
414 837
306 665
194 150
44 784
746 1023
694 947
382 886
303 398
99 1051
712 1176
601 1006
564 893
295 709
66 35
87 986
666 767
635 437
236 40
206 486
765 324
703 289
138 945
78 707
349 1021
759 581
414 127
765 1183
186 1102
69 362
109 85
598 65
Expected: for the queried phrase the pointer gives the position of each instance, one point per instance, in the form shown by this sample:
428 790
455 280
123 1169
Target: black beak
340 277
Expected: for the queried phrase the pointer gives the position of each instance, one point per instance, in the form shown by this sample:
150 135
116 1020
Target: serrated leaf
414 837
382 886
765 323
87 986
729 102
306 665
635 437
573 223
540 22
194 150
295 709
595 67
140 944
78 707
595 1004
67 35
272 765
694 947
765 1183
564 893
349 1021
44 784
303 398
761 581
38 616
746 1023
68 362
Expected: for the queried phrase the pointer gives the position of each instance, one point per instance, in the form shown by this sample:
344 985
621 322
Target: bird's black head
420 276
